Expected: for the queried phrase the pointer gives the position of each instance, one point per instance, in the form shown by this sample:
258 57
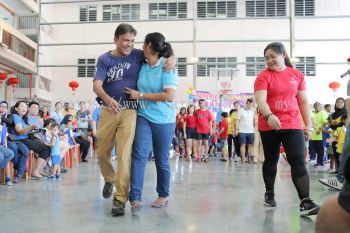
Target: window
121 12
214 62
88 13
254 65
182 68
307 65
170 10
219 9
86 67
304 7
265 8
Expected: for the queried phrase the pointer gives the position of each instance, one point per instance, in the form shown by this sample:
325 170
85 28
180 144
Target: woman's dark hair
14 111
48 121
124 28
279 48
183 108
190 106
343 117
58 103
65 119
158 44
231 111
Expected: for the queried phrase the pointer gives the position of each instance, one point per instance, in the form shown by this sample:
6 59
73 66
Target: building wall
324 36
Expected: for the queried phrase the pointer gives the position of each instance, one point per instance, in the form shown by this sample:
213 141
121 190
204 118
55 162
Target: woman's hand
308 134
133 94
274 122
34 126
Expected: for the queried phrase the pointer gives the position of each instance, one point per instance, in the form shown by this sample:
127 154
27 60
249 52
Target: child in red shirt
189 127
223 134
203 129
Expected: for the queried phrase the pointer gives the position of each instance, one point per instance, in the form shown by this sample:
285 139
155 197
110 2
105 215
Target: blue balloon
190 96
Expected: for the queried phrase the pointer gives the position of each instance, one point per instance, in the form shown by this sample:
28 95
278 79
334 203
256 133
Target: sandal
160 204
136 206
37 178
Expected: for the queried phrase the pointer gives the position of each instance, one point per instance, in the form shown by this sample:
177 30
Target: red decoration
348 59
334 86
13 81
3 77
74 85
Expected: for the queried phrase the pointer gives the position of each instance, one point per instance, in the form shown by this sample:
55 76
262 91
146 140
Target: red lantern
13 81
74 85
334 86
3 77
348 59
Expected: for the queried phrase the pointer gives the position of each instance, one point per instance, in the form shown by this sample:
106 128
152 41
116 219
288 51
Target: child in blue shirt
55 151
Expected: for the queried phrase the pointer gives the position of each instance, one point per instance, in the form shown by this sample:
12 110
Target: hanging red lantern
3 77
74 85
348 59
13 81
334 86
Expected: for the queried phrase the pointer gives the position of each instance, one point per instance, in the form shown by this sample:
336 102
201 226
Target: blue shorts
191 133
201 136
56 159
246 138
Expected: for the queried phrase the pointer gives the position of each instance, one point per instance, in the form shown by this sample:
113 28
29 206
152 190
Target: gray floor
205 197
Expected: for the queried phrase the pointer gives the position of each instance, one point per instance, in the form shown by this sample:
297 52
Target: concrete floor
205 197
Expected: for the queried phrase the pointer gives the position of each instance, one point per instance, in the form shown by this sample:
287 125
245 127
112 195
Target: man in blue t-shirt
116 70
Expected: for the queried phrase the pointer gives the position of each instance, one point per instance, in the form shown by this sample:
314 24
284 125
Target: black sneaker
107 189
118 208
308 207
270 199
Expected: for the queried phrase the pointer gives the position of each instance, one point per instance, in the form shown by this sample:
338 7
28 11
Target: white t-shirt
246 120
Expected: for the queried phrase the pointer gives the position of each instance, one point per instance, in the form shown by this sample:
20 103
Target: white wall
309 35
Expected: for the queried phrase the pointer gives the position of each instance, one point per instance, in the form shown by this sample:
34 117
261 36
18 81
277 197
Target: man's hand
170 63
114 106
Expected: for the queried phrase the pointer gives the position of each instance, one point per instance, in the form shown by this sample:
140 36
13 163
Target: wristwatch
141 95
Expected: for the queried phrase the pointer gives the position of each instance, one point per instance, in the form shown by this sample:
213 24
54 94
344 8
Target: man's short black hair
224 114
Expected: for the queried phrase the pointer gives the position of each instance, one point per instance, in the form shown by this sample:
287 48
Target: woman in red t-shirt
180 132
281 97
190 129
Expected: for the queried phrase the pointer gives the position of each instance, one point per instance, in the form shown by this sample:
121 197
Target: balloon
193 92
190 96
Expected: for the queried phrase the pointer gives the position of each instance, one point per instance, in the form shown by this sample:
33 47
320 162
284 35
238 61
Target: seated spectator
45 113
21 129
5 155
20 151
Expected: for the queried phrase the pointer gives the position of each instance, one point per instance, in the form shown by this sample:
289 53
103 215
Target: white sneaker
333 183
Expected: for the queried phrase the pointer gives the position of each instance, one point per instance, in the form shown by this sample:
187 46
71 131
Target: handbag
38 134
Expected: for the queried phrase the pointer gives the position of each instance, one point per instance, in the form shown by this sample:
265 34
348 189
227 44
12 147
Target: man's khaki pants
123 125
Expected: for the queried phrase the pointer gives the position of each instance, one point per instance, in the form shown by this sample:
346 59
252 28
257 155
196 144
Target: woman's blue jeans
20 157
159 136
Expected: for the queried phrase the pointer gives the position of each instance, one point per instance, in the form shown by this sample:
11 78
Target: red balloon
334 86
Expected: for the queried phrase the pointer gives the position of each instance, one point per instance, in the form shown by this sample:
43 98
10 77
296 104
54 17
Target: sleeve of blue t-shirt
17 119
170 79
96 115
101 69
